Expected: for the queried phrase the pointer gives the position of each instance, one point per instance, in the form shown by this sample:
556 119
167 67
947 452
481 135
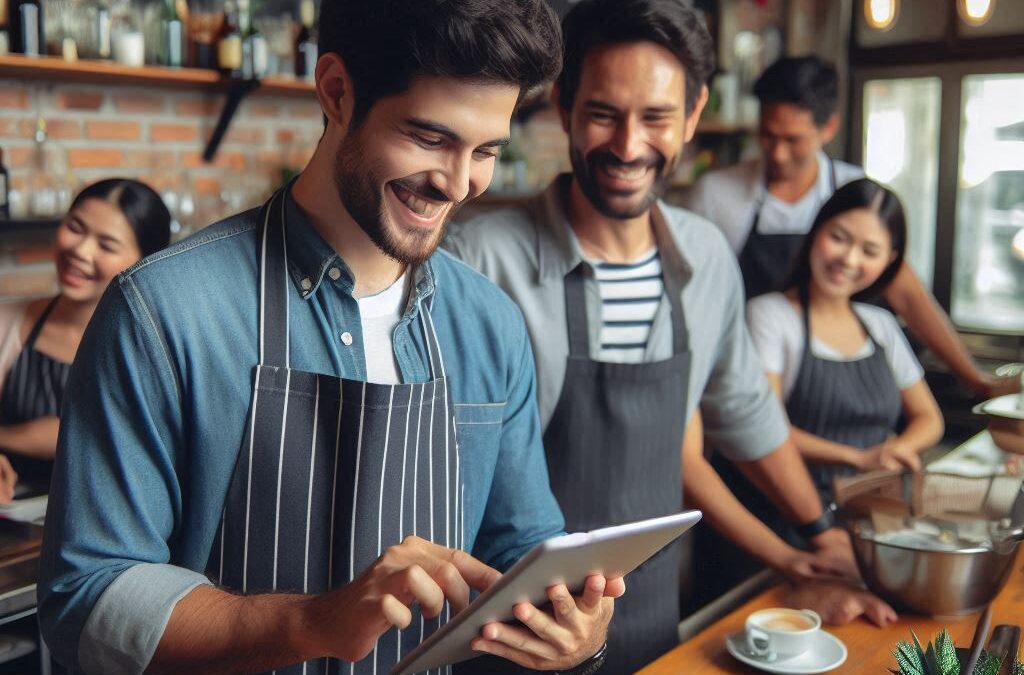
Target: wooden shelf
105 72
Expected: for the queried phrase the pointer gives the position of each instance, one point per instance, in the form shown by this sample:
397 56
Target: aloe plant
939 658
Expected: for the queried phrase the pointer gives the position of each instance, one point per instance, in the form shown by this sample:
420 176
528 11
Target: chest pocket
478 428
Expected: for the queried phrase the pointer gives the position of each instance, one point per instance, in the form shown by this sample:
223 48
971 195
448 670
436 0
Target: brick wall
156 135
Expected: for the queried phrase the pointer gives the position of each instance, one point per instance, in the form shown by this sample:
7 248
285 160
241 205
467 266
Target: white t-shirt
778 332
380 314
728 198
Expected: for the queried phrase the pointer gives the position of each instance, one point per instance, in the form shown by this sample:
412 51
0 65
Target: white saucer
827 653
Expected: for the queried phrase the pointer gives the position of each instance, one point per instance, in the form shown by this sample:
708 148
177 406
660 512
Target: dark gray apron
856 403
613 447
33 388
334 471
766 260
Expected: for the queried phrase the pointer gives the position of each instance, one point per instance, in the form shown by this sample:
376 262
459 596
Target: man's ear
829 129
563 115
334 90
690 124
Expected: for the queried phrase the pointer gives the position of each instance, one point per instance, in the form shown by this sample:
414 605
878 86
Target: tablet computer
569 559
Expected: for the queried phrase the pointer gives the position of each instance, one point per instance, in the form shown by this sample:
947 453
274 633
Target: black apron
766 260
34 388
613 447
856 403
334 471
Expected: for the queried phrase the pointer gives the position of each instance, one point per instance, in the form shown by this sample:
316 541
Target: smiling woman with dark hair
843 368
111 224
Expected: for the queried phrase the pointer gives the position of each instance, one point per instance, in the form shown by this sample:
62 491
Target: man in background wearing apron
636 314
766 205
295 441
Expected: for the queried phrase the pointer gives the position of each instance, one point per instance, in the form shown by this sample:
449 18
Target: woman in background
110 226
843 368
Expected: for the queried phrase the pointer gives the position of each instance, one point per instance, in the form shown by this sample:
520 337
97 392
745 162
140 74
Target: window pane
988 263
901 150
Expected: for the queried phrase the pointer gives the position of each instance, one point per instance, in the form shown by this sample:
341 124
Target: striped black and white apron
34 388
613 450
333 471
766 260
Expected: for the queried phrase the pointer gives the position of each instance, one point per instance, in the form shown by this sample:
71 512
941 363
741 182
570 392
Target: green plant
939 658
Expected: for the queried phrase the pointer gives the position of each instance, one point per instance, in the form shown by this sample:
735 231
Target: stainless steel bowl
933 582
935 544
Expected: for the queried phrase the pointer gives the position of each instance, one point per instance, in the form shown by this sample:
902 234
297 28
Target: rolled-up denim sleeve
521 510
105 586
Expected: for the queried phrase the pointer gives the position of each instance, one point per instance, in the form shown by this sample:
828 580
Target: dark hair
669 23
860 194
806 82
142 208
386 43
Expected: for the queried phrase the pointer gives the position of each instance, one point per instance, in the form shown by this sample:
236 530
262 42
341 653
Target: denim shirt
157 402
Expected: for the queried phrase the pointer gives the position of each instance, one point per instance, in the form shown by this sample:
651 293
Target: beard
360 188
586 167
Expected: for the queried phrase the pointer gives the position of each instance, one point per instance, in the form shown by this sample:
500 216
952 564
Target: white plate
827 654
1002 406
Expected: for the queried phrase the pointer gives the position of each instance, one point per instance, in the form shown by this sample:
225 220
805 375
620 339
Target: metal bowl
932 582
934 544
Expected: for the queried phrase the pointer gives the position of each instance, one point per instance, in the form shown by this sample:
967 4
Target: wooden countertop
869 647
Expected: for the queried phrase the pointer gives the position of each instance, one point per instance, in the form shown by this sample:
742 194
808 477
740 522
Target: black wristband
826 521
589 666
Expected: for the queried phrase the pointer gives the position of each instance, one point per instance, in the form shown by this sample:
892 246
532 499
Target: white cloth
630 296
777 329
379 315
728 198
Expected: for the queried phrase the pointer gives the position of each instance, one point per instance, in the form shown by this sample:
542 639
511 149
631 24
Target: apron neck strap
37 327
273 294
576 313
430 338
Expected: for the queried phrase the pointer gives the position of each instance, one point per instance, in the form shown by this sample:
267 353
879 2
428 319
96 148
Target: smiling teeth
626 174
420 207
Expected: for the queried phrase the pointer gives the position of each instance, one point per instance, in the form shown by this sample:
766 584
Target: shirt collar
558 249
310 258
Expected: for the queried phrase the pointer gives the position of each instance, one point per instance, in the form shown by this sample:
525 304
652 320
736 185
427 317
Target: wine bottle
305 42
172 36
25 19
229 46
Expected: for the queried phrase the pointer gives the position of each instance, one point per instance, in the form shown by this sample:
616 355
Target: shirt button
306 284
334 273
346 339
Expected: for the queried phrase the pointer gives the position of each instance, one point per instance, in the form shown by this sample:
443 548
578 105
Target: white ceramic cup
781 633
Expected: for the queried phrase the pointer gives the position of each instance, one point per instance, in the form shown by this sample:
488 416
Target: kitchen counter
869 647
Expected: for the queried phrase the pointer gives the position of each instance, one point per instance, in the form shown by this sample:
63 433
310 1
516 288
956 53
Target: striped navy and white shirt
630 295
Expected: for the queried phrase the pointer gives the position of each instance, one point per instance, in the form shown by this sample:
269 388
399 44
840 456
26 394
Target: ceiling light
881 14
975 12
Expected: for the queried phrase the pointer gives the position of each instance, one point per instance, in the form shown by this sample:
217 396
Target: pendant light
881 14
975 12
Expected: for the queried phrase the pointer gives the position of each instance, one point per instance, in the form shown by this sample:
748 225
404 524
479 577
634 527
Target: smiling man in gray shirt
635 310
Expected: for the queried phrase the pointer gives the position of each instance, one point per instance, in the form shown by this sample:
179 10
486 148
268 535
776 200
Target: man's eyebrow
451 134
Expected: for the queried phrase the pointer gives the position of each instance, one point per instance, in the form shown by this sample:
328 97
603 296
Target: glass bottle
229 45
306 51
